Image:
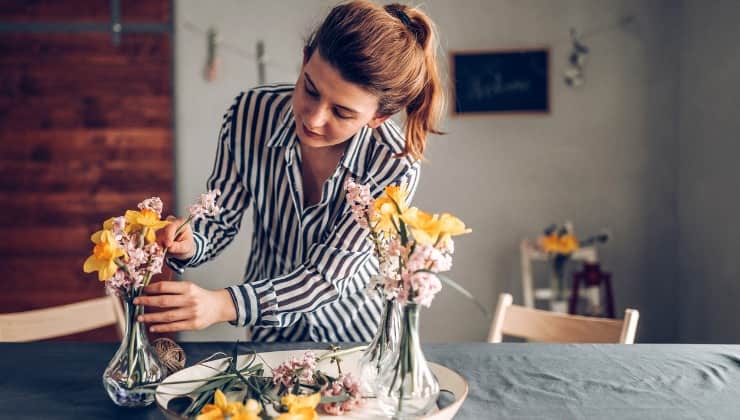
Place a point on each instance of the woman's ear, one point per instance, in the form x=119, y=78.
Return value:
x=376, y=121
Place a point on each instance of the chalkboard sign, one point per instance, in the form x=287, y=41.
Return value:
x=501, y=81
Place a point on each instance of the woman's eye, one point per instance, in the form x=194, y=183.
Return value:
x=342, y=116
x=312, y=93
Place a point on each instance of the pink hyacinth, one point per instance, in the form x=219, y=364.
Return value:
x=425, y=286
x=119, y=224
x=447, y=246
x=154, y=204
x=300, y=370
x=345, y=384
x=427, y=257
x=118, y=283
x=206, y=205
x=395, y=248
x=360, y=201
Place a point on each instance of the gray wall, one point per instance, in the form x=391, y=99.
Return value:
x=605, y=155
x=709, y=184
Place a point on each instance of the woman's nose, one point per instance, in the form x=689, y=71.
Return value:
x=315, y=117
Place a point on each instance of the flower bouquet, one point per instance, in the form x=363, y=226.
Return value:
x=559, y=243
x=413, y=248
x=126, y=257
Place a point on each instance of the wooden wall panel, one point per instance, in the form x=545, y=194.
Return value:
x=55, y=10
x=151, y=11
x=85, y=133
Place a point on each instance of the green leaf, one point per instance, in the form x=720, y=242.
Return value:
x=462, y=291
x=211, y=386
x=334, y=398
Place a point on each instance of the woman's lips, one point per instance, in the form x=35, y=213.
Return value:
x=309, y=132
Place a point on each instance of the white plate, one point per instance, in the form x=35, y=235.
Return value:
x=449, y=380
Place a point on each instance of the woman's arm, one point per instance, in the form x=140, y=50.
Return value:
x=213, y=233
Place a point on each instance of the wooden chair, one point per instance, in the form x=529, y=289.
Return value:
x=545, y=326
x=39, y=324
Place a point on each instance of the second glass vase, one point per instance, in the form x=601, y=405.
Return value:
x=406, y=387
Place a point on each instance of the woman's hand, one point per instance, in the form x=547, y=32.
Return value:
x=181, y=247
x=189, y=306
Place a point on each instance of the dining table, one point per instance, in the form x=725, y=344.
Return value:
x=62, y=380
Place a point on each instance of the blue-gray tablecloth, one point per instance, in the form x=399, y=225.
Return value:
x=508, y=381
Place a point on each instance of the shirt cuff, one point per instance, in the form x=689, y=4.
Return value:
x=179, y=265
x=245, y=303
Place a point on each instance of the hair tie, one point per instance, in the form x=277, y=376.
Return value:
x=400, y=14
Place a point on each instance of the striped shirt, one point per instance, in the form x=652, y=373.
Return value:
x=308, y=267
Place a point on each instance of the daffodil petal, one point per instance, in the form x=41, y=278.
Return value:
x=91, y=264
x=210, y=412
x=95, y=237
x=107, y=271
x=151, y=236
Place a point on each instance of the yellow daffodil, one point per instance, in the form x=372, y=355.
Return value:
x=388, y=208
x=568, y=244
x=103, y=259
x=386, y=216
x=450, y=225
x=399, y=194
x=221, y=409
x=300, y=407
x=424, y=226
x=147, y=220
x=429, y=229
x=554, y=244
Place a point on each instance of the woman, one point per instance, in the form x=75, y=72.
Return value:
x=289, y=150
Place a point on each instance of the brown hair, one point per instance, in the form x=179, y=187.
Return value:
x=391, y=51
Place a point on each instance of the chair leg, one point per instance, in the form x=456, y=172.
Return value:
x=609, y=296
x=574, y=294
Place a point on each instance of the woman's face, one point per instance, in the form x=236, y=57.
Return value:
x=328, y=109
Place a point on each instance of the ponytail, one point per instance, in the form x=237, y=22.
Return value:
x=424, y=112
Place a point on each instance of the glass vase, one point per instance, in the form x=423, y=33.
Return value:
x=134, y=364
x=558, y=265
x=381, y=347
x=406, y=387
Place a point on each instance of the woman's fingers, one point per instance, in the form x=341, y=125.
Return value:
x=180, y=248
x=170, y=316
x=168, y=287
x=179, y=245
x=173, y=327
x=164, y=301
x=166, y=235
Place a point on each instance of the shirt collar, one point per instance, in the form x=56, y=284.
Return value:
x=285, y=134
x=353, y=158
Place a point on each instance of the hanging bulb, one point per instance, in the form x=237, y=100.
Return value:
x=212, y=59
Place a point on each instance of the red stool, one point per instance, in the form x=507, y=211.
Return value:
x=592, y=276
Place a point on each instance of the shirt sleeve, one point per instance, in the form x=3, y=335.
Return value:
x=213, y=233
x=320, y=280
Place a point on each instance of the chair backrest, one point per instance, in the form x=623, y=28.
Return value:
x=39, y=324
x=545, y=326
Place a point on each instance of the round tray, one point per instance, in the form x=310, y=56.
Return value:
x=449, y=381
